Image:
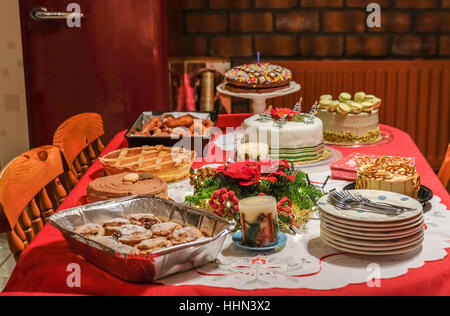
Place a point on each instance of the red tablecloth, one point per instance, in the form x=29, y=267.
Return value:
x=42, y=267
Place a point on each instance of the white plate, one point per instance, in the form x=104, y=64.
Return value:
x=380, y=228
x=371, y=249
x=372, y=235
x=399, y=243
x=361, y=215
x=372, y=253
x=370, y=225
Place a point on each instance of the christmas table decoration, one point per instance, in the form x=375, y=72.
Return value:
x=221, y=192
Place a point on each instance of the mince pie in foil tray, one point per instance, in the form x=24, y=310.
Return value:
x=143, y=239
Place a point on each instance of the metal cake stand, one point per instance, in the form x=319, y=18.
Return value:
x=260, y=99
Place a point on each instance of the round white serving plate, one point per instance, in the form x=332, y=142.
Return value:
x=373, y=235
x=380, y=228
x=338, y=246
x=360, y=215
x=374, y=249
x=406, y=241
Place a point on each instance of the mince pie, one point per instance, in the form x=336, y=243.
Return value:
x=90, y=230
x=138, y=234
x=146, y=220
x=164, y=229
x=151, y=245
x=186, y=235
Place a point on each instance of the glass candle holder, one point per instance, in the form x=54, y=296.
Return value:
x=259, y=220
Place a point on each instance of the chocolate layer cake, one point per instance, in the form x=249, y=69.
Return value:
x=126, y=184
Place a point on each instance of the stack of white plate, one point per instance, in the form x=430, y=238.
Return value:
x=362, y=232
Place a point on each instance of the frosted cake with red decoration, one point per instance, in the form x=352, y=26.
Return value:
x=290, y=134
x=257, y=78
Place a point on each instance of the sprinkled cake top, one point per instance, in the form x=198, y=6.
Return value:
x=259, y=74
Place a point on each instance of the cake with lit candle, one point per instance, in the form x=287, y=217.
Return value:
x=257, y=78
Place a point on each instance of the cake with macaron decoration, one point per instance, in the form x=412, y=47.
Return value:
x=350, y=120
x=257, y=78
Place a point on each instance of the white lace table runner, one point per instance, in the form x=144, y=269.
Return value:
x=306, y=262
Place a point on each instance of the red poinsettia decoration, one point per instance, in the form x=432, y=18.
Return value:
x=253, y=172
x=278, y=113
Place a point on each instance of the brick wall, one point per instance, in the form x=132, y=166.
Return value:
x=309, y=29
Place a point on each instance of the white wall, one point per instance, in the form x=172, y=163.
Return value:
x=13, y=110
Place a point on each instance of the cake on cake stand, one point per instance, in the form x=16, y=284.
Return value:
x=260, y=99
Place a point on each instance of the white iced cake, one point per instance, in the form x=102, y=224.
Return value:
x=295, y=140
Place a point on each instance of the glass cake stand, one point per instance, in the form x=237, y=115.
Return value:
x=386, y=138
x=323, y=165
x=260, y=99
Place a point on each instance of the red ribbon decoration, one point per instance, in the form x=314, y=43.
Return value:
x=286, y=211
x=252, y=171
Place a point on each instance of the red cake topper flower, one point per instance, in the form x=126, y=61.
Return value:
x=278, y=113
x=253, y=172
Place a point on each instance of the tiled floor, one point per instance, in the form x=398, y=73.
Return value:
x=7, y=262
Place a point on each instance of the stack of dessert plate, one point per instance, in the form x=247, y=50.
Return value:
x=358, y=231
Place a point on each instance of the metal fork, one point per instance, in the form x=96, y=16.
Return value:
x=358, y=196
x=349, y=196
x=348, y=205
x=345, y=198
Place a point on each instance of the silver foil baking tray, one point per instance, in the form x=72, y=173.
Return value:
x=160, y=264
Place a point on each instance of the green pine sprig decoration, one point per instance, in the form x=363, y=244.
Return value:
x=303, y=195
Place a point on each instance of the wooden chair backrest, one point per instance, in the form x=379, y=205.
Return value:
x=30, y=192
x=444, y=173
x=79, y=140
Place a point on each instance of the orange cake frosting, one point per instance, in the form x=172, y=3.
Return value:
x=392, y=174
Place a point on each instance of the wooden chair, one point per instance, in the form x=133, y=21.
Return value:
x=444, y=173
x=79, y=140
x=30, y=192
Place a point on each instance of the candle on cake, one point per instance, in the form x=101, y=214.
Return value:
x=259, y=220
